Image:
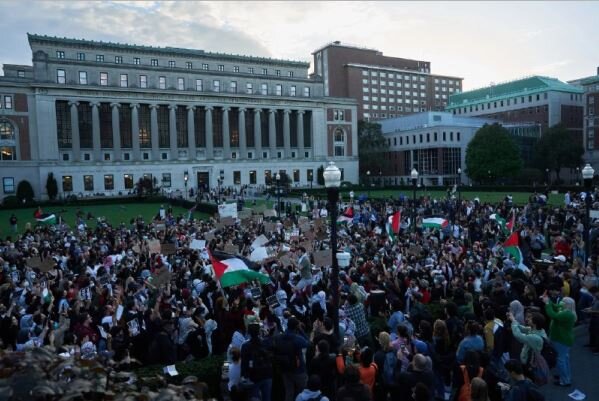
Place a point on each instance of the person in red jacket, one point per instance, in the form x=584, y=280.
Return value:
x=562, y=247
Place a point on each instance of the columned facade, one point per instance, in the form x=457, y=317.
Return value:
x=98, y=138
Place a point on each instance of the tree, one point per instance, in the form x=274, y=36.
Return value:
x=492, y=153
x=320, y=175
x=558, y=149
x=371, y=143
x=25, y=192
x=51, y=186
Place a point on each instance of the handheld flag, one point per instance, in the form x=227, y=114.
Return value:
x=512, y=247
x=234, y=271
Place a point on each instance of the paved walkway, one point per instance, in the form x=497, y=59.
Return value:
x=585, y=371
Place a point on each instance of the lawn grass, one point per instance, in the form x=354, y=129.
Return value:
x=114, y=214
x=519, y=198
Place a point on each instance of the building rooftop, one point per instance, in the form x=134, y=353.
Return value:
x=431, y=119
x=524, y=86
x=44, y=39
x=337, y=43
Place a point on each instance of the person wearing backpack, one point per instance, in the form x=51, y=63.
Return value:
x=532, y=337
x=256, y=365
x=561, y=333
x=324, y=366
x=520, y=389
x=390, y=366
x=469, y=369
x=289, y=358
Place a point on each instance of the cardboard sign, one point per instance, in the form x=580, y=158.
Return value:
x=259, y=254
x=34, y=262
x=323, y=258
x=227, y=210
x=154, y=246
x=232, y=249
x=168, y=249
x=227, y=221
x=272, y=301
x=258, y=219
x=198, y=244
x=256, y=292
x=85, y=294
x=295, y=233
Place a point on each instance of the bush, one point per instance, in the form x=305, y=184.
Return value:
x=207, y=370
x=25, y=192
x=51, y=186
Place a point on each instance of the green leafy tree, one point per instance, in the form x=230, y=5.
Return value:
x=25, y=192
x=491, y=154
x=371, y=143
x=557, y=149
x=51, y=186
x=320, y=175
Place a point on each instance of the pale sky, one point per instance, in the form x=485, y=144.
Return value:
x=482, y=42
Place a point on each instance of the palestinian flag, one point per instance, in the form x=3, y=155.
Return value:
x=512, y=248
x=231, y=270
x=500, y=221
x=393, y=225
x=434, y=222
x=49, y=219
x=347, y=216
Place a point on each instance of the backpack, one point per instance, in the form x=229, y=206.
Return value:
x=285, y=357
x=465, y=391
x=389, y=367
x=260, y=363
x=500, y=343
x=539, y=370
x=549, y=353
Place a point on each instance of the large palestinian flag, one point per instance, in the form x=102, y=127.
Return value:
x=231, y=270
x=435, y=222
x=393, y=225
x=512, y=247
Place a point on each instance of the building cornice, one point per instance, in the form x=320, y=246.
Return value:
x=383, y=68
x=166, y=95
x=164, y=51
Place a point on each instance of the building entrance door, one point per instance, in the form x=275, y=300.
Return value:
x=203, y=181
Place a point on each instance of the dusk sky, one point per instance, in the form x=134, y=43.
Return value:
x=482, y=42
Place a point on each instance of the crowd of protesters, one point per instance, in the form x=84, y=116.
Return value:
x=431, y=314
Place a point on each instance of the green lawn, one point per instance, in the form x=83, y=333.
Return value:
x=115, y=214
x=519, y=198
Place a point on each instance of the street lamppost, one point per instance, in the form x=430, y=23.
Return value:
x=414, y=176
x=368, y=182
x=332, y=181
x=351, y=197
x=459, y=193
x=587, y=175
x=278, y=189
x=185, y=178
x=547, y=176
x=310, y=177
x=577, y=176
x=381, y=178
x=489, y=173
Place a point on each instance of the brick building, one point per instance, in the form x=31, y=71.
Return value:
x=383, y=86
x=590, y=86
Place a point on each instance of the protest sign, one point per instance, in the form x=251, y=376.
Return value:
x=168, y=249
x=272, y=301
x=198, y=244
x=85, y=294
x=259, y=241
x=322, y=258
x=227, y=221
x=269, y=227
x=244, y=214
x=259, y=254
x=227, y=210
x=154, y=246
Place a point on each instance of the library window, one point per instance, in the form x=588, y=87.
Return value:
x=61, y=77
x=180, y=84
x=118, y=59
x=199, y=85
x=103, y=79
x=82, y=78
x=108, y=182
x=67, y=183
x=124, y=80
x=100, y=58
x=143, y=81
x=171, y=63
x=154, y=62
x=136, y=60
x=59, y=54
x=88, y=182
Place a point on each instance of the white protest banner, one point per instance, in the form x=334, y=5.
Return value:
x=259, y=254
x=227, y=210
x=258, y=242
x=198, y=244
x=85, y=294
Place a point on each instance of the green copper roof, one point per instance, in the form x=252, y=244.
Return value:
x=506, y=90
x=163, y=50
x=590, y=80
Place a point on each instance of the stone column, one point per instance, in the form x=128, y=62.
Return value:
x=116, y=131
x=191, y=133
x=226, y=134
x=154, y=132
x=257, y=133
x=300, y=133
x=242, y=138
x=135, y=131
x=172, y=132
x=97, y=146
x=272, y=133
x=209, y=134
x=75, y=140
x=286, y=133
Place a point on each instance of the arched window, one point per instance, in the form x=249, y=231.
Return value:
x=7, y=132
x=339, y=142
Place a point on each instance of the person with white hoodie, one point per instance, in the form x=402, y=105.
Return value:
x=312, y=391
